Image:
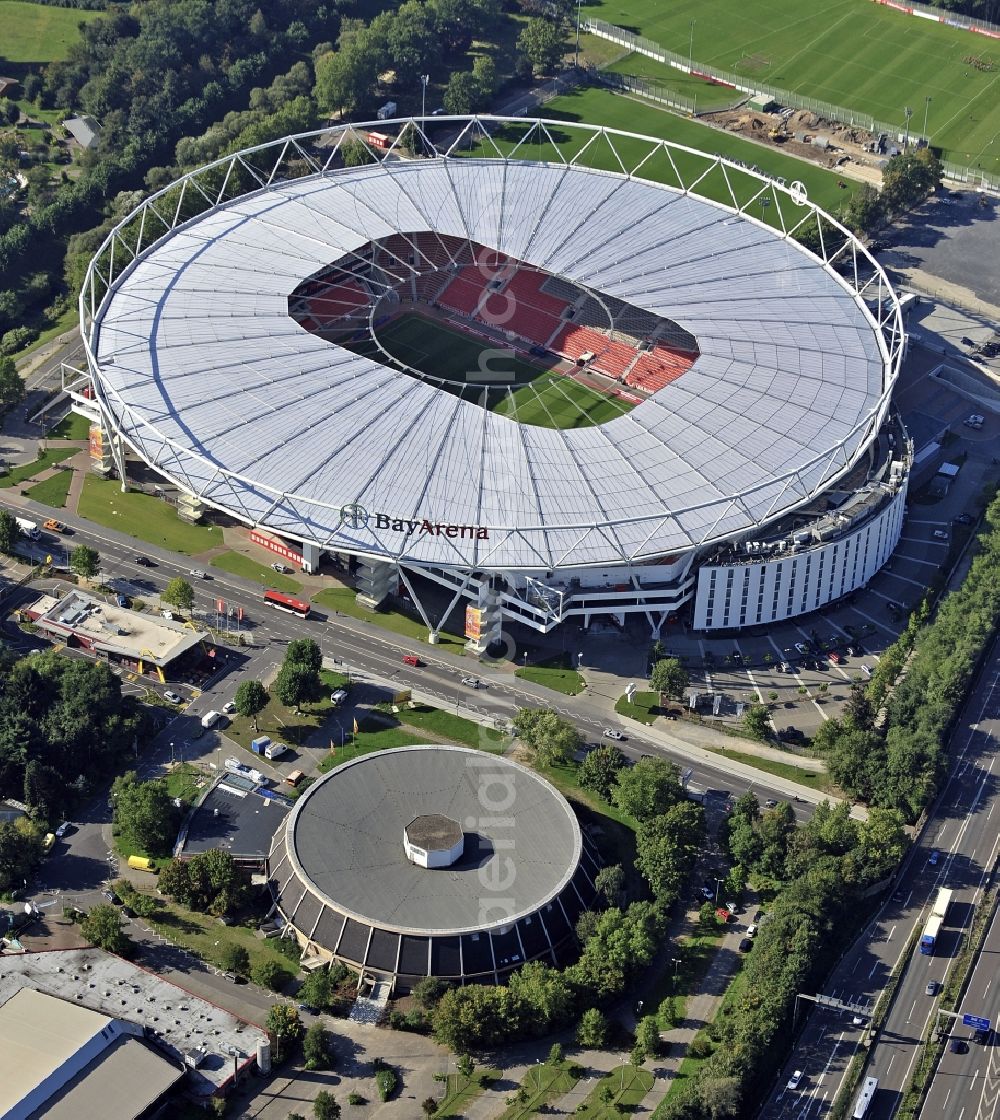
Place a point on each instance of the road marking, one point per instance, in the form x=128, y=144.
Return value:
x=891, y=932
x=874, y=967
x=912, y=1008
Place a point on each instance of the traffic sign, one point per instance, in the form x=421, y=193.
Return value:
x=976, y=1021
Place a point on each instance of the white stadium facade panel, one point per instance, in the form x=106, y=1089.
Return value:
x=200, y=368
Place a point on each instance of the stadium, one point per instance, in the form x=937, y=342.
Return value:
x=555, y=371
x=432, y=861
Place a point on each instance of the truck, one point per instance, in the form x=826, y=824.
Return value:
x=938, y=915
x=29, y=528
x=209, y=719
x=142, y=863
x=260, y=745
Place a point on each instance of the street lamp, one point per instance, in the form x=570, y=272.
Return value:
x=717, y=882
x=927, y=105
x=691, y=47
x=907, y=112
x=424, y=79
x=676, y=962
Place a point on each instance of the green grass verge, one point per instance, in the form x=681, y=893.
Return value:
x=263, y=574
x=856, y=54
x=47, y=459
x=186, y=782
x=620, y=1090
x=143, y=516
x=343, y=599
x=534, y=394
x=602, y=107
x=810, y=778
x=368, y=741
x=451, y=727
x=39, y=33
x=696, y=953
x=553, y=674
x=542, y=1083
x=71, y=426
x=643, y=707
x=52, y=491
x=706, y=97
x=461, y=1091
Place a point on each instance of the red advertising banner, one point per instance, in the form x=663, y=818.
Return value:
x=220, y=606
x=275, y=546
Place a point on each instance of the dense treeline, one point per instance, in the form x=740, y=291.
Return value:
x=63, y=724
x=901, y=766
x=820, y=871
x=617, y=943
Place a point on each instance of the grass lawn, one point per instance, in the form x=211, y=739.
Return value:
x=461, y=1091
x=143, y=516
x=207, y=938
x=542, y=1084
x=602, y=107
x=451, y=727
x=530, y=393
x=186, y=782
x=857, y=54
x=817, y=781
x=555, y=674
x=47, y=459
x=696, y=952
x=342, y=599
x=644, y=707
x=282, y=723
x=263, y=574
x=37, y=32
x=706, y=96
x=52, y=491
x=368, y=741
x=627, y=1085
x=71, y=426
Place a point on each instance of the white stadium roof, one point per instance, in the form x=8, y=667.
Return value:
x=209, y=378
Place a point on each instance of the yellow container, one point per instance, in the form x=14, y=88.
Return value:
x=142, y=863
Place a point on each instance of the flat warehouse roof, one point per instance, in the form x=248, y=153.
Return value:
x=207, y=375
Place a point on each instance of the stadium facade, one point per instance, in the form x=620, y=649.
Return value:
x=705, y=429
x=432, y=861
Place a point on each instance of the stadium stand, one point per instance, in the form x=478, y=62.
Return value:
x=657, y=368
x=610, y=358
x=337, y=302
x=524, y=308
x=465, y=290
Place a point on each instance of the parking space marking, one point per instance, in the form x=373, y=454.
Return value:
x=906, y=579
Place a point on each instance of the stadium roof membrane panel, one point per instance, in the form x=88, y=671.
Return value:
x=208, y=376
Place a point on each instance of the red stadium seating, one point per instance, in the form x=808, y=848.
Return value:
x=610, y=358
x=465, y=290
x=657, y=368
x=337, y=301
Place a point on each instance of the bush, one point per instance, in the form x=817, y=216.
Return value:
x=356, y=1098
x=700, y=1047
x=386, y=1082
x=268, y=974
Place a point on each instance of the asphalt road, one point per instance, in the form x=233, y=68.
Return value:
x=963, y=829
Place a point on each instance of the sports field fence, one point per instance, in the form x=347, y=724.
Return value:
x=941, y=15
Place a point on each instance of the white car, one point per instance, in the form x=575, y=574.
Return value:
x=471, y=682
x=228, y=708
x=752, y=930
x=795, y=1080
x=939, y=535
x=173, y=697
x=63, y=829
x=282, y=569
x=614, y=733
x=197, y=573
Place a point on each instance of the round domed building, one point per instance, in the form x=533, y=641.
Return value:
x=433, y=861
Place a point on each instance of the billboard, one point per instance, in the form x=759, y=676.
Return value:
x=96, y=442
x=473, y=622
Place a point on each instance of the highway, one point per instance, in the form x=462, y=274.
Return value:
x=963, y=830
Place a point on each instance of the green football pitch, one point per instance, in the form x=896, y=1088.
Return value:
x=854, y=53
x=36, y=33
x=530, y=394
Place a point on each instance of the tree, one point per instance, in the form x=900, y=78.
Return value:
x=144, y=813
x=20, y=853
x=344, y=79
x=484, y=70
x=600, y=768
x=647, y=1035
x=461, y=94
x=103, y=927
x=757, y=721
x=325, y=1107
x=297, y=684
x=355, y=153
x=268, y=974
x=410, y=41
x=593, y=1029
x=667, y=845
x=44, y=790
x=542, y=43
x=251, y=699
x=175, y=882
x=866, y=210
x=465, y=1065
x=647, y=789
x=234, y=958
x=304, y=651
x=179, y=593
x=317, y=990
x=638, y=1055
x=610, y=883
x=706, y=916
x=552, y=738
x=428, y=991
x=316, y=1047
x=428, y=1106
x=283, y=1022
x=85, y=561
x=10, y=533
x=11, y=385
x=907, y=179
x=555, y=1054
x=476, y=1017
x=669, y=678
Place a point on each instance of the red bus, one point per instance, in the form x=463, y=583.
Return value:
x=286, y=603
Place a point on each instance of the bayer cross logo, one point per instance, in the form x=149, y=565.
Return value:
x=354, y=516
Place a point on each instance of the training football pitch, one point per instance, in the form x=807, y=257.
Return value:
x=854, y=53
x=35, y=33
x=530, y=394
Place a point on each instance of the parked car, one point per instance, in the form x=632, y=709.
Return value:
x=964, y=519
x=122, y=601
x=752, y=929
x=228, y=708
x=746, y=944
x=614, y=733
x=858, y=1020
x=338, y=696
x=173, y=697
x=795, y=1080
x=282, y=569
x=834, y=657
x=63, y=829
x=939, y=535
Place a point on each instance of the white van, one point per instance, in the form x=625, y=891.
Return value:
x=274, y=750
x=210, y=719
x=338, y=697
